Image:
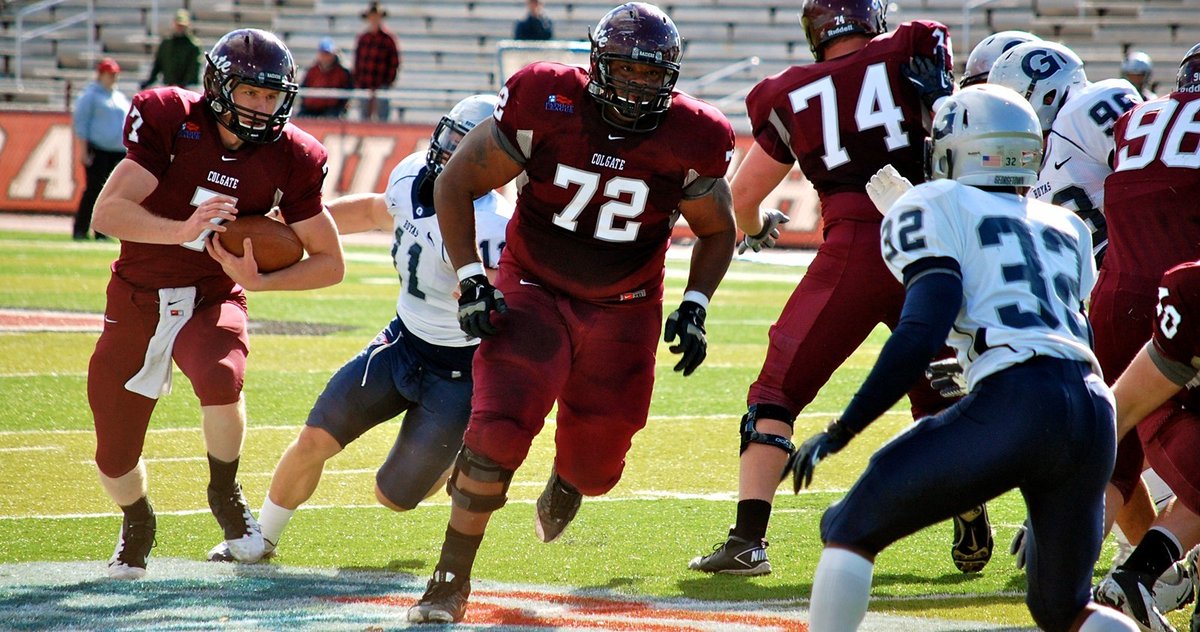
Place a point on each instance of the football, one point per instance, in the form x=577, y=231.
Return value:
x=276, y=246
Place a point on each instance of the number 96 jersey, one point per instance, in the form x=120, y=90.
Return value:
x=596, y=203
x=1024, y=266
x=426, y=303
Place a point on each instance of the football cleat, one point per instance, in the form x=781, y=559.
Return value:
x=556, y=508
x=1129, y=592
x=973, y=542
x=734, y=556
x=133, y=547
x=444, y=601
x=1176, y=587
x=221, y=552
x=243, y=536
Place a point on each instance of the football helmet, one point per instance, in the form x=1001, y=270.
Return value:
x=641, y=33
x=1189, y=70
x=986, y=135
x=824, y=20
x=461, y=118
x=258, y=58
x=1043, y=72
x=1137, y=63
x=985, y=53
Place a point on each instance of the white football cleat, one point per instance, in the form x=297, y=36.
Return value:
x=1176, y=587
x=222, y=553
x=134, y=542
x=243, y=536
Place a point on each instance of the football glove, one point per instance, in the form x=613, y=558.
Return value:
x=478, y=300
x=1021, y=543
x=805, y=459
x=930, y=76
x=946, y=377
x=765, y=238
x=886, y=186
x=687, y=323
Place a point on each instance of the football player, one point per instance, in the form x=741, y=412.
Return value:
x=1153, y=226
x=195, y=159
x=1004, y=276
x=610, y=155
x=1136, y=69
x=420, y=364
x=985, y=53
x=840, y=119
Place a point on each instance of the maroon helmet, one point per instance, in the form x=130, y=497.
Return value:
x=641, y=33
x=824, y=20
x=257, y=58
x=1189, y=70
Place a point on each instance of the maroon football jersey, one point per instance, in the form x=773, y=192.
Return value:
x=594, y=217
x=173, y=135
x=1177, y=325
x=1150, y=199
x=845, y=118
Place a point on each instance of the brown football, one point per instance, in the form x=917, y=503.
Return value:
x=276, y=245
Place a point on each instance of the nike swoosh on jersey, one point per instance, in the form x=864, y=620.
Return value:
x=228, y=159
x=109, y=320
x=611, y=137
x=1059, y=165
x=524, y=282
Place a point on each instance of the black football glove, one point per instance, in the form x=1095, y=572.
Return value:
x=930, y=76
x=478, y=300
x=765, y=238
x=806, y=457
x=946, y=377
x=687, y=322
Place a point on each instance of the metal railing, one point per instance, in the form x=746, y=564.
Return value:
x=87, y=15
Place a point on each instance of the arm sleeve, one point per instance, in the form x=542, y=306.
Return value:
x=931, y=304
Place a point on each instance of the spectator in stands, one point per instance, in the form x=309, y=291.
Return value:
x=99, y=122
x=536, y=26
x=1136, y=69
x=326, y=72
x=178, y=56
x=376, y=62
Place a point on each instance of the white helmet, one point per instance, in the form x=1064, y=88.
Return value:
x=461, y=118
x=1043, y=72
x=986, y=135
x=985, y=53
x=1137, y=63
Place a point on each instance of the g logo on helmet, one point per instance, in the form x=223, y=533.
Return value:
x=1041, y=64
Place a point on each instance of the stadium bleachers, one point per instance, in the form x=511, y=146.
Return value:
x=449, y=46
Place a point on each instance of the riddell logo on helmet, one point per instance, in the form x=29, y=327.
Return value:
x=840, y=30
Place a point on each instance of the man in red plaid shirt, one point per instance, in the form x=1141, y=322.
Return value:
x=376, y=62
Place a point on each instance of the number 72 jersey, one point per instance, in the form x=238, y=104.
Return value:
x=1025, y=266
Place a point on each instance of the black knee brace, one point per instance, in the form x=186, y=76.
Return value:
x=750, y=433
x=482, y=470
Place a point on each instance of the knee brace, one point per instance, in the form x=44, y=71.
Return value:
x=750, y=433
x=480, y=469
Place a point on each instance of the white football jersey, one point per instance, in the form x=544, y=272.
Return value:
x=1079, y=145
x=428, y=280
x=1025, y=266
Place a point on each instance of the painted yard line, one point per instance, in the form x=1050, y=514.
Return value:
x=637, y=496
x=295, y=427
x=34, y=448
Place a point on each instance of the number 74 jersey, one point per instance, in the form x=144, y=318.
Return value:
x=1025, y=266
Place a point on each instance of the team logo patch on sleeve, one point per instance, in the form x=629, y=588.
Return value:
x=560, y=103
x=189, y=130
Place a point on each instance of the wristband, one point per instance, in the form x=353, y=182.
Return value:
x=696, y=297
x=470, y=270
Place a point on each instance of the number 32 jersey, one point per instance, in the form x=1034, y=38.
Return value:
x=426, y=303
x=596, y=203
x=1024, y=264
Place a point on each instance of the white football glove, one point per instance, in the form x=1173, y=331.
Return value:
x=772, y=220
x=886, y=186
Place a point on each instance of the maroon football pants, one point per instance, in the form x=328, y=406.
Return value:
x=210, y=349
x=596, y=360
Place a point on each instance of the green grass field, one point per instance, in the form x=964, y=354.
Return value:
x=676, y=500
